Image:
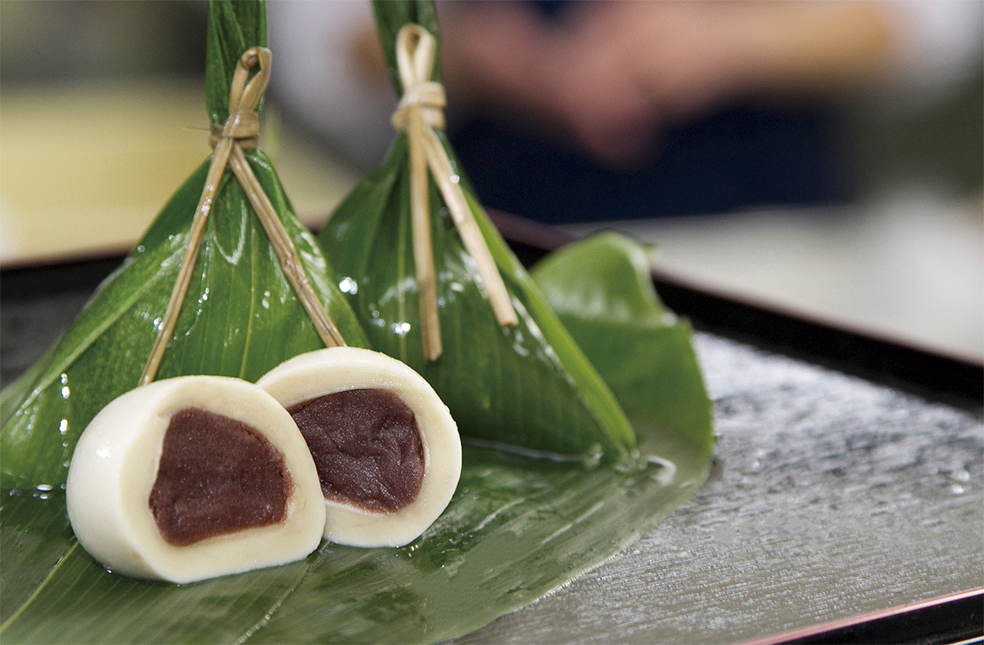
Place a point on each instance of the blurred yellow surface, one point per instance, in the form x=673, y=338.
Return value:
x=85, y=169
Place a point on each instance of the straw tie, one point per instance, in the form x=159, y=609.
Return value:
x=419, y=112
x=241, y=130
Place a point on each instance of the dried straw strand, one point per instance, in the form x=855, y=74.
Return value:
x=419, y=112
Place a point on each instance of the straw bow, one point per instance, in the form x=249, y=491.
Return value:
x=418, y=113
x=241, y=130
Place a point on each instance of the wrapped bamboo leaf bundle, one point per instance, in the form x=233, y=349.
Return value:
x=226, y=281
x=435, y=285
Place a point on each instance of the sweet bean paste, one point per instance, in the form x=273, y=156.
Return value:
x=216, y=476
x=366, y=446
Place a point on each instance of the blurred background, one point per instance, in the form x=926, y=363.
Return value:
x=102, y=117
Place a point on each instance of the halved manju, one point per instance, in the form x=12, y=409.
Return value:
x=386, y=448
x=194, y=477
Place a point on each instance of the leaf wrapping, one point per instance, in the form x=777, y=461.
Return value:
x=527, y=385
x=240, y=316
x=516, y=529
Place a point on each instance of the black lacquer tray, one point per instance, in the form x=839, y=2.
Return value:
x=846, y=503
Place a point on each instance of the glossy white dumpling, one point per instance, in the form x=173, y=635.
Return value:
x=339, y=370
x=115, y=467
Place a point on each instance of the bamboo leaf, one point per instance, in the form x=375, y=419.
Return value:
x=233, y=27
x=528, y=385
x=390, y=18
x=602, y=289
x=516, y=529
x=240, y=316
x=80, y=602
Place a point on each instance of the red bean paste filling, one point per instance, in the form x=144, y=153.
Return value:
x=216, y=476
x=366, y=446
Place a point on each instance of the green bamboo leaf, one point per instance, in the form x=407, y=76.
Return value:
x=602, y=289
x=390, y=18
x=528, y=385
x=80, y=602
x=234, y=27
x=240, y=317
x=33, y=539
x=516, y=528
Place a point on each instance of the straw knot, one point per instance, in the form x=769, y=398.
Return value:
x=419, y=113
x=242, y=127
x=243, y=124
x=244, y=130
x=429, y=98
x=415, y=52
x=240, y=130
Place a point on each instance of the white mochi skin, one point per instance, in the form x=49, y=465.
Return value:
x=115, y=465
x=318, y=373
